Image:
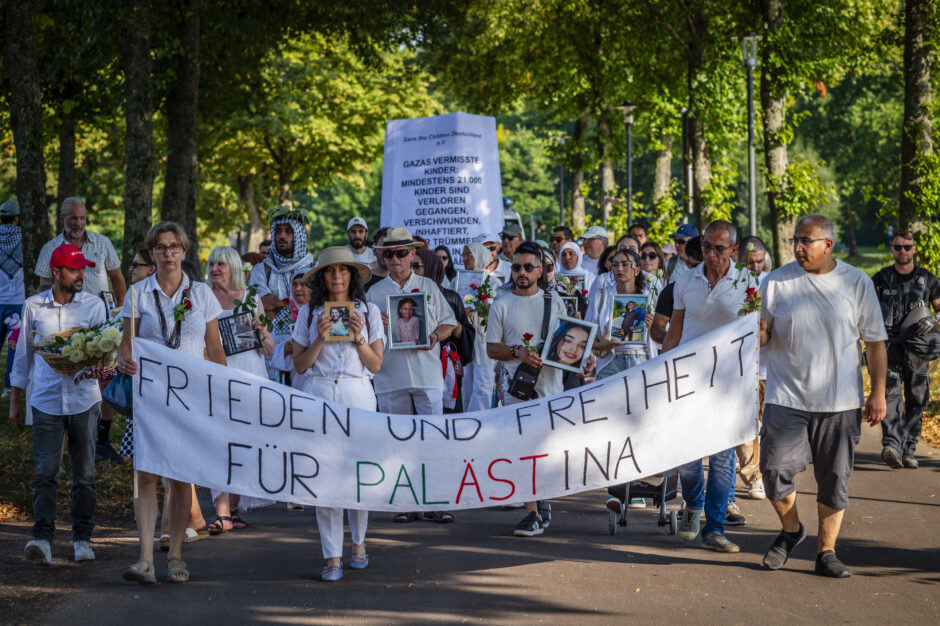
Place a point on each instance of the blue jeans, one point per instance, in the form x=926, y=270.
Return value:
x=48, y=432
x=622, y=361
x=715, y=496
x=6, y=310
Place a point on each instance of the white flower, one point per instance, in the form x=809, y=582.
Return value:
x=77, y=355
x=112, y=332
x=750, y=247
x=468, y=299
x=78, y=339
x=106, y=344
x=67, y=351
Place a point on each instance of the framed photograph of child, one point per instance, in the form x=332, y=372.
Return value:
x=408, y=321
x=465, y=278
x=569, y=342
x=338, y=313
x=237, y=334
x=628, y=318
x=578, y=280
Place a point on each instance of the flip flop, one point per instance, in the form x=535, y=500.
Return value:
x=404, y=518
x=441, y=517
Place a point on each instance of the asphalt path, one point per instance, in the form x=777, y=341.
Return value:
x=476, y=571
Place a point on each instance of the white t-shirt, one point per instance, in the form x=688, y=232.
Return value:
x=367, y=256
x=513, y=316
x=708, y=309
x=816, y=322
x=589, y=264
x=338, y=359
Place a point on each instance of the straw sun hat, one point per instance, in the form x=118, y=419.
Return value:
x=338, y=255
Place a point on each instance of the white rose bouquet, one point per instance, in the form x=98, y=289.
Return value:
x=72, y=350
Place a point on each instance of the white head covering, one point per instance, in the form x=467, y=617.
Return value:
x=481, y=255
x=560, y=267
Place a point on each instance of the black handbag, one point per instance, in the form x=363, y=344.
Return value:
x=523, y=381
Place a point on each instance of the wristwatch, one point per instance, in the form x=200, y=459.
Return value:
x=515, y=352
x=361, y=341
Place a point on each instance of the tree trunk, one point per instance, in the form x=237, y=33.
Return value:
x=916, y=142
x=577, y=175
x=606, y=171
x=138, y=117
x=66, y=159
x=182, y=163
x=773, y=106
x=850, y=231
x=246, y=196
x=701, y=161
x=662, y=173
x=26, y=123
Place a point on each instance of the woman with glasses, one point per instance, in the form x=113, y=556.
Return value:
x=615, y=356
x=142, y=266
x=450, y=272
x=157, y=300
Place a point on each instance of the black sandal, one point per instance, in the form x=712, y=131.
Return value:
x=404, y=518
x=237, y=522
x=217, y=527
x=441, y=517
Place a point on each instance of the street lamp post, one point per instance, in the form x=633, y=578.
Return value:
x=628, y=109
x=561, y=186
x=749, y=56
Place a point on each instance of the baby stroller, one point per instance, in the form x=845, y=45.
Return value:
x=665, y=491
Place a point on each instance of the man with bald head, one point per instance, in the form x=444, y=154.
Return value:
x=815, y=311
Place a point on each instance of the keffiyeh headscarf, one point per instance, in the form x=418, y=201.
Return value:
x=11, y=249
x=300, y=244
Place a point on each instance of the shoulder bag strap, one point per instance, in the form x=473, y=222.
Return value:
x=546, y=314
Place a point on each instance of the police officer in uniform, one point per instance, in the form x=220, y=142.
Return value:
x=901, y=288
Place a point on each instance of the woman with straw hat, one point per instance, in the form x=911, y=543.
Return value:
x=340, y=371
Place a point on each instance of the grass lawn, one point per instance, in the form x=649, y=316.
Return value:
x=870, y=259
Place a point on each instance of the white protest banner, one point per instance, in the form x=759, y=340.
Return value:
x=200, y=422
x=440, y=179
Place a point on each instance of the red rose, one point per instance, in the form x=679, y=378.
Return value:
x=473, y=286
x=286, y=300
x=415, y=291
x=584, y=292
x=750, y=291
x=527, y=337
x=484, y=297
x=188, y=305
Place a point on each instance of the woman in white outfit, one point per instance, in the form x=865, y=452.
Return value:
x=195, y=331
x=569, y=263
x=476, y=257
x=340, y=371
x=228, y=285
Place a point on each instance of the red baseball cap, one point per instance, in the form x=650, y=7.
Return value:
x=69, y=256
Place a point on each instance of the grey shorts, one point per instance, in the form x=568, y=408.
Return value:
x=791, y=439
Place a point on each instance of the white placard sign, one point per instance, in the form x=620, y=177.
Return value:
x=440, y=179
x=215, y=426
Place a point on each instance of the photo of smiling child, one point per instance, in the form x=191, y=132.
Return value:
x=407, y=321
x=569, y=344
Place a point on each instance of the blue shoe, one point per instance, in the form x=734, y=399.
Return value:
x=359, y=561
x=331, y=573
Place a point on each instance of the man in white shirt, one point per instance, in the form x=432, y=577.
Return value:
x=12, y=288
x=595, y=241
x=705, y=299
x=515, y=317
x=497, y=267
x=411, y=381
x=358, y=233
x=60, y=405
x=815, y=311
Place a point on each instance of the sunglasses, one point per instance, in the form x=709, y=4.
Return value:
x=417, y=266
x=680, y=241
x=401, y=254
x=528, y=267
x=492, y=248
x=648, y=255
x=558, y=239
x=907, y=247
x=550, y=267
x=141, y=265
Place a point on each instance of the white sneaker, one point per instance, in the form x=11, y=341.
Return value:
x=637, y=503
x=756, y=491
x=83, y=551
x=39, y=552
x=6, y=393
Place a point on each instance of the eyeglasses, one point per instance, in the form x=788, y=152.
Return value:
x=528, y=267
x=805, y=241
x=549, y=267
x=173, y=248
x=681, y=241
x=558, y=239
x=417, y=266
x=707, y=247
x=907, y=247
x=649, y=256
x=401, y=254
x=134, y=265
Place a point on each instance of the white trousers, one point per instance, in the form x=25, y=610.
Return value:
x=357, y=393
x=484, y=380
x=424, y=401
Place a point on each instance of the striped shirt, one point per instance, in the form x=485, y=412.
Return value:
x=97, y=248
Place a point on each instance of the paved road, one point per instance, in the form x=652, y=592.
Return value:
x=476, y=571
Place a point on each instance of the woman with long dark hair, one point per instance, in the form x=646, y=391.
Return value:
x=340, y=371
x=450, y=272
